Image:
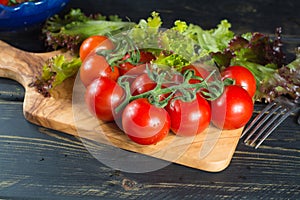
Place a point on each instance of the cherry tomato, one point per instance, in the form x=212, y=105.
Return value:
x=141, y=84
x=126, y=66
x=196, y=70
x=97, y=42
x=200, y=72
x=145, y=123
x=4, y=2
x=145, y=57
x=133, y=73
x=102, y=96
x=137, y=70
x=233, y=109
x=242, y=76
x=189, y=118
x=95, y=66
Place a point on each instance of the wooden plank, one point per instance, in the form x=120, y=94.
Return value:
x=36, y=162
x=11, y=90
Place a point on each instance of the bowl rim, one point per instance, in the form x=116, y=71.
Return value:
x=21, y=5
x=21, y=15
x=26, y=4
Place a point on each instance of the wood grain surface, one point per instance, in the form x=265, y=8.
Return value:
x=41, y=163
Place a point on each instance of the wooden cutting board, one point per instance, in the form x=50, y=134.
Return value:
x=210, y=151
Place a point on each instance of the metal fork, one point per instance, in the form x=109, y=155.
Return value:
x=269, y=119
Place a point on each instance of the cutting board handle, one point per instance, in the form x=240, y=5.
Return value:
x=20, y=65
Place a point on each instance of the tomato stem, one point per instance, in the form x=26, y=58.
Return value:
x=210, y=89
x=124, y=46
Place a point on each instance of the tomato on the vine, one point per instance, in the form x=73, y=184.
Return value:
x=242, y=77
x=95, y=42
x=143, y=83
x=233, y=109
x=196, y=71
x=126, y=66
x=135, y=72
x=201, y=72
x=145, y=57
x=189, y=118
x=102, y=96
x=145, y=123
x=4, y=2
x=95, y=66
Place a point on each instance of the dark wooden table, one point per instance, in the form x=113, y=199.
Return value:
x=36, y=162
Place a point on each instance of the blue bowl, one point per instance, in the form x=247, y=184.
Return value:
x=29, y=13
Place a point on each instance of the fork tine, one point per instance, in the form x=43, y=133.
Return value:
x=269, y=119
x=274, y=126
x=257, y=118
x=266, y=125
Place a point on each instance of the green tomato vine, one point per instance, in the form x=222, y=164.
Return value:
x=210, y=89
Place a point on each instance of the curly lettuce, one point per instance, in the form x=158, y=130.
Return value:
x=69, y=31
x=183, y=44
x=55, y=71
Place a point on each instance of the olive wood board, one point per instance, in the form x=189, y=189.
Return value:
x=210, y=151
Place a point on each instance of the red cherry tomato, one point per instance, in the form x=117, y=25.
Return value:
x=189, y=118
x=233, y=109
x=196, y=71
x=102, y=96
x=95, y=66
x=145, y=57
x=126, y=66
x=95, y=42
x=4, y=2
x=137, y=70
x=145, y=123
x=242, y=76
x=142, y=84
x=133, y=73
x=200, y=72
